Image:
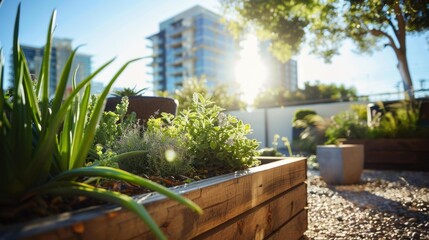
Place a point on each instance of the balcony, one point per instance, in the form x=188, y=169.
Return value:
x=178, y=60
x=157, y=52
x=176, y=42
x=179, y=30
x=157, y=43
x=156, y=62
x=177, y=71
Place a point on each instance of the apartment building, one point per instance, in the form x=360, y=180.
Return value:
x=279, y=74
x=60, y=52
x=193, y=43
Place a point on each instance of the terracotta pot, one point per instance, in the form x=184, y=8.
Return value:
x=145, y=107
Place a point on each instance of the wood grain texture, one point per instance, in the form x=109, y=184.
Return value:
x=292, y=230
x=263, y=220
x=223, y=198
x=401, y=154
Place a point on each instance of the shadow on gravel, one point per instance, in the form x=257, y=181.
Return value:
x=367, y=200
x=416, y=179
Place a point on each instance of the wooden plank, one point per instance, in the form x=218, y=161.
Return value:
x=412, y=144
x=402, y=166
x=292, y=230
x=394, y=156
x=406, y=154
x=262, y=221
x=222, y=202
x=222, y=199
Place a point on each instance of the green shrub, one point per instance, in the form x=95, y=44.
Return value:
x=216, y=140
x=360, y=110
x=346, y=125
x=274, y=152
x=201, y=136
x=166, y=151
x=400, y=120
x=301, y=114
x=112, y=124
x=313, y=133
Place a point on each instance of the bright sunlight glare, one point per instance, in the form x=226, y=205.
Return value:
x=250, y=72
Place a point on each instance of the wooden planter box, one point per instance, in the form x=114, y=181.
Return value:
x=402, y=154
x=265, y=202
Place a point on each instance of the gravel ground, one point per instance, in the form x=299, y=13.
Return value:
x=384, y=205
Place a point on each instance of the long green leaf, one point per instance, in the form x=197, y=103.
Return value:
x=79, y=127
x=20, y=135
x=2, y=100
x=31, y=95
x=118, y=174
x=65, y=141
x=94, y=119
x=62, y=84
x=16, y=50
x=75, y=188
x=43, y=84
x=43, y=152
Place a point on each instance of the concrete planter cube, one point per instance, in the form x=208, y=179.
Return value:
x=342, y=164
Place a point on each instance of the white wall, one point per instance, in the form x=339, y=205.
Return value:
x=279, y=120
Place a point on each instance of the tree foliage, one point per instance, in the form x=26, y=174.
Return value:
x=218, y=94
x=323, y=24
x=311, y=92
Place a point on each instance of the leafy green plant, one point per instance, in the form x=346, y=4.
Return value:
x=128, y=92
x=300, y=115
x=346, y=125
x=113, y=124
x=311, y=130
x=274, y=152
x=214, y=140
x=44, y=143
x=399, y=120
x=166, y=150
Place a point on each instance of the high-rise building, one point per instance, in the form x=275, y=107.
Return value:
x=279, y=74
x=60, y=52
x=193, y=43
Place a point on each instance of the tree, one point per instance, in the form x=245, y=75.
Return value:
x=280, y=96
x=324, y=23
x=218, y=94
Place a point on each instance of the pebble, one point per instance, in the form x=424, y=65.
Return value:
x=382, y=206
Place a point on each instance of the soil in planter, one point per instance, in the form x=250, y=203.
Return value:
x=45, y=206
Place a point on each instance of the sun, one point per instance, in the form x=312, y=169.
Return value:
x=250, y=72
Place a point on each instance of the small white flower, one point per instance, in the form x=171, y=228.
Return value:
x=222, y=119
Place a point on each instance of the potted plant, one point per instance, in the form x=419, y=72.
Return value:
x=259, y=202
x=143, y=106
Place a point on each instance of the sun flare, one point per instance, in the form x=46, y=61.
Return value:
x=250, y=72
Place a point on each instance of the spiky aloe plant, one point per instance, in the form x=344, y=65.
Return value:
x=44, y=143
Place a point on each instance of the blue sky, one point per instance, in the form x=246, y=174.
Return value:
x=119, y=29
